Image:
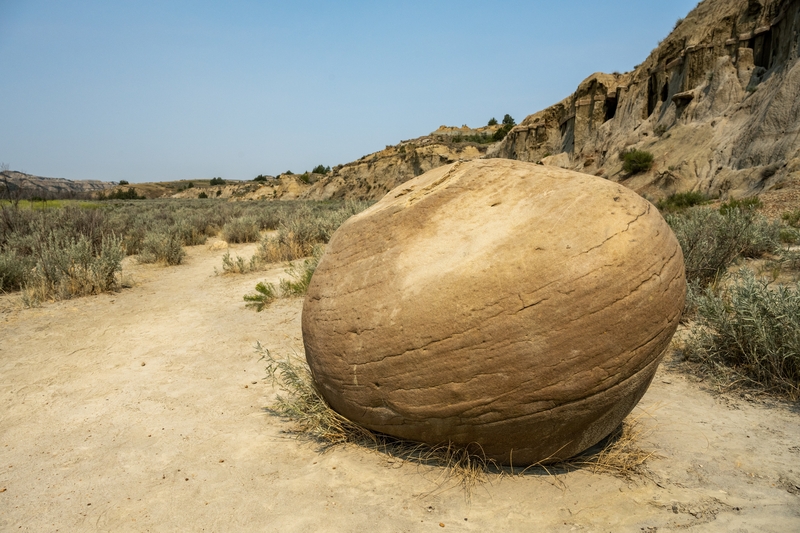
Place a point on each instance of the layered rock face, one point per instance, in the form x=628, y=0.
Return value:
x=495, y=303
x=47, y=187
x=717, y=103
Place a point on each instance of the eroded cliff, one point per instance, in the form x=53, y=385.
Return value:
x=717, y=103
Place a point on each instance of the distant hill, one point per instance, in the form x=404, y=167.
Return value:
x=20, y=185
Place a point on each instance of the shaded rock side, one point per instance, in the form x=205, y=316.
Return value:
x=717, y=103
x=498, y=303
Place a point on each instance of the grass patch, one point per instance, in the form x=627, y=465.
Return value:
x=748, y=333
x=300, y=402
x=792, y=218
x=238, y=265
x=743, y=204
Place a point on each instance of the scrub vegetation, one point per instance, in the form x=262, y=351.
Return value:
x=63, y=249
x=743, y=328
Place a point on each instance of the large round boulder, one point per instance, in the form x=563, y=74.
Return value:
x=495, y=303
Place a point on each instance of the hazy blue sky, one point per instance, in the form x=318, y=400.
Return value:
x=164, y=90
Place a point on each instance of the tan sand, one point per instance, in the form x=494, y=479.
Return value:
x=143, y=411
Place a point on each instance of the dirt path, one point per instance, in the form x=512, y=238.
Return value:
x=142, y=411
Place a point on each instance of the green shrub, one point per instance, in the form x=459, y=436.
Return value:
x=119, y=194
x=321, y=169
x=751, y=329
x=265, y=295
x=492, y=122
x=242, y=229
x=508, y=123
x=123, y=182
x=202, y=195
x=217, y=181
x=681, y=201
x=636, y=161
x=260, y=177
x=711, y=241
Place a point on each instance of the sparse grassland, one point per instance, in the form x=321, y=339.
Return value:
x=742, y=329
x=57, y=249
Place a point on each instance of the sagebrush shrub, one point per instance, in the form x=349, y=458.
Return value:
x=711, y=241
x=66, y=267
x=242, y=229
x=752, y=328
x=162, y=248
x=13, y=269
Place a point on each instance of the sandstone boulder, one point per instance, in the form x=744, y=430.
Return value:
x=514, y=306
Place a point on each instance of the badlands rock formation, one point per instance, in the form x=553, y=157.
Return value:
x=717, y=103
x=519, y=307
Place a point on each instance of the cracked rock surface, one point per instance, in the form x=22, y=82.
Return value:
x=517, y=307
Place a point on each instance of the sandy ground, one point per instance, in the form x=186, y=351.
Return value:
x=143, y=411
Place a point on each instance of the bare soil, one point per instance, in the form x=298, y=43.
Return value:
x=143, y=410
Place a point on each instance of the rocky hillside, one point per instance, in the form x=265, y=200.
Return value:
x=20, y=185
x=717, y=103
x=375, y=174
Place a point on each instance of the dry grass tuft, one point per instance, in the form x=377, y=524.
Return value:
x=619, y=454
